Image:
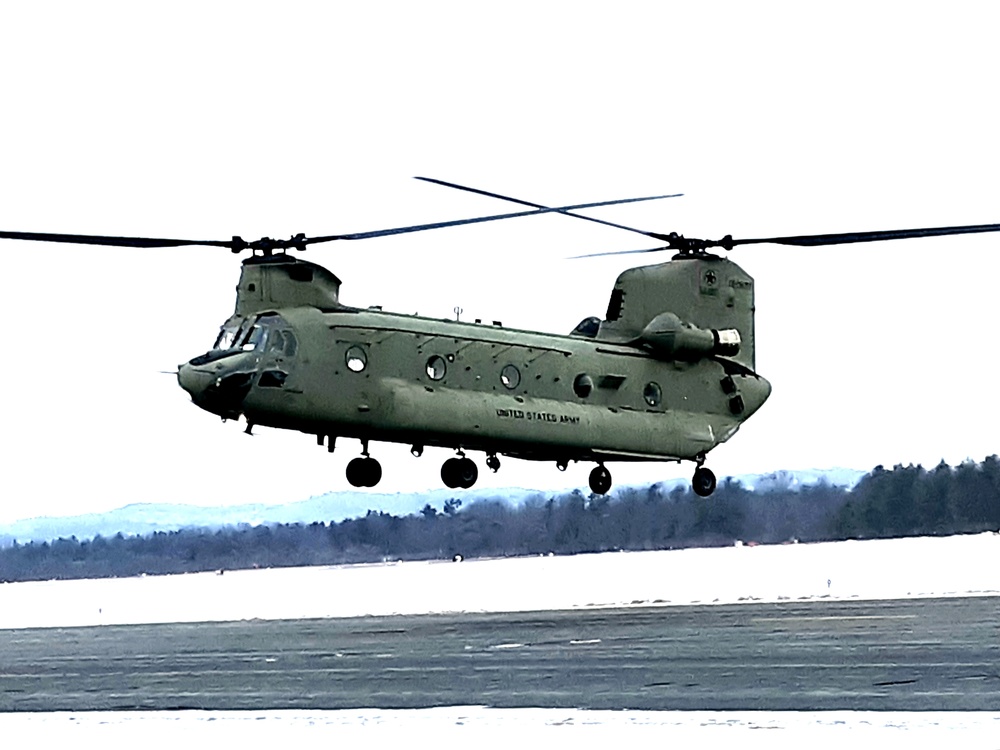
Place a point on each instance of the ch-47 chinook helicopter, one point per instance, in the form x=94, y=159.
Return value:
x=667, y=375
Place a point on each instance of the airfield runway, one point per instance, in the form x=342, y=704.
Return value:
x=904, y=655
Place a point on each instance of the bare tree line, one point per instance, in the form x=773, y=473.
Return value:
x=898, y=502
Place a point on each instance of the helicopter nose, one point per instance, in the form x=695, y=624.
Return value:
x=219, y=393
x=192, y=379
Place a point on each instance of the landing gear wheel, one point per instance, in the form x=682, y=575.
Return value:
x=703, y=482
x=600, y=480
x=493, y=463
x=459, y=472
x=364, y=471
x=449, y=472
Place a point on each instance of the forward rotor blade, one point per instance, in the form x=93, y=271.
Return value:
x=567, y=210
x=87, y=239
x=237, y=244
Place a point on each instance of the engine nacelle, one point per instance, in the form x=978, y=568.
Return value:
x=673, y=338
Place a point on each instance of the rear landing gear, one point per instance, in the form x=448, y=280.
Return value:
x=703, y=482
x=459, y=472
x=600, y=480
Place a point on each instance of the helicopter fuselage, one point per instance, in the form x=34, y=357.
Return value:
x=335, y=371
x=430, y=382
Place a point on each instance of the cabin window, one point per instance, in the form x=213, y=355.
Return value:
x=356, y=359
x=611, y=382
x=436, y=367
x=510, y=376
x=583, y=385
x=652, y=394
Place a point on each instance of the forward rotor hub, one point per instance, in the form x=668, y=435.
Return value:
x=267, y=246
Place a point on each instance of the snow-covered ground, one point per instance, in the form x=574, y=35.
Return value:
x=878, y=569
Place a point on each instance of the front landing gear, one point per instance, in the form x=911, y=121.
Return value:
x=600, y=480
x=363, y=471
x=703, y=482
x=460, y=472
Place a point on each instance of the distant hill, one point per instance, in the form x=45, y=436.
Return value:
x=146, y=518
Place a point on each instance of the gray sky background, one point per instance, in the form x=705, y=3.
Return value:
x=204, y=120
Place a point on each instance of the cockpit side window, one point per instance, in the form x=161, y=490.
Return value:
x=275, y=342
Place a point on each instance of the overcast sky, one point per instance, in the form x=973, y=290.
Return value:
x=204, y=120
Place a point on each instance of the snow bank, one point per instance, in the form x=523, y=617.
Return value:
x=483, y=728
x=877, y=569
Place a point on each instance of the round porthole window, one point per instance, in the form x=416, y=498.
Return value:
x=356, y=359
x=510, y=376
x=652, y=394
x=583, y=385
x=436, y=367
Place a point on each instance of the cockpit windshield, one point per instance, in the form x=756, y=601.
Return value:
x=254, y=338
x=228, y=334
x=268, y=332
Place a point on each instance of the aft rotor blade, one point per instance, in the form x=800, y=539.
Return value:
x=687, y=245
x=567, y=210
x=620, y=252
x=478, y=220
x=815, y=240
